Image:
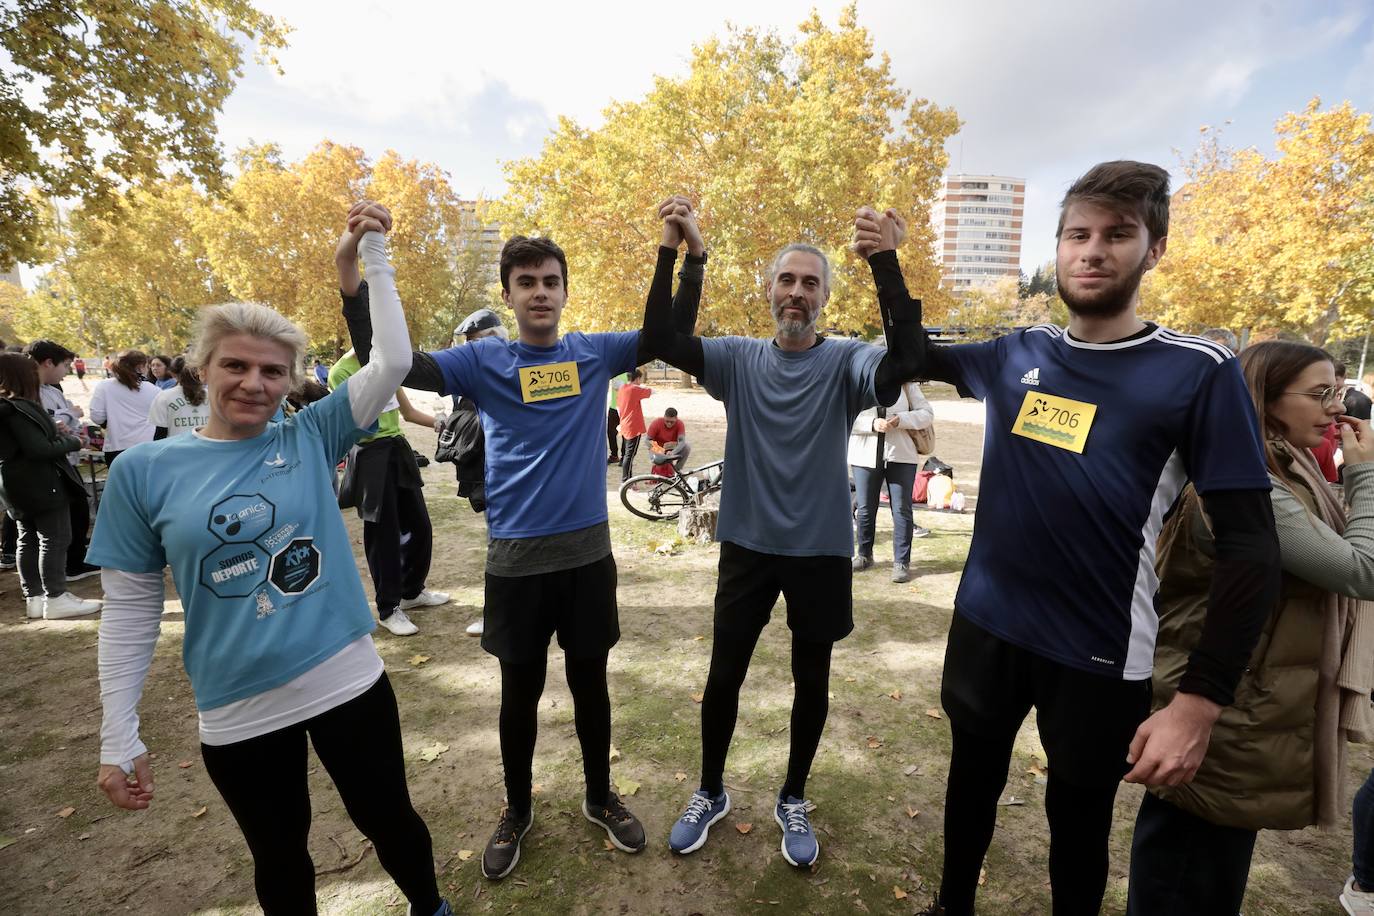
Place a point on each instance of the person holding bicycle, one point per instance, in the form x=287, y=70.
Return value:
x=668, y=443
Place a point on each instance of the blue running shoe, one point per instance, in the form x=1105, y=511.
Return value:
x=799, y=844
x=689, y=833
x=444, y=909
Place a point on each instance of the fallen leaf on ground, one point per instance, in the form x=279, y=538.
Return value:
x=698, y=697
x=850, y=680
x=698, y=638
x=66, y=812
x=186, y=764
x=1035, y=768
x=610, y=847
x=934, y=713
x=874, y=742
x=909, y=770
x=464, y=855
x=627, y=786
x=7, y=841
x=982, y=876
x=536, y=788
x=615, y=752
x=203, y=809
x=898, y=893
x=896, y=694
x=1010, y=801
x=911, y=812
x=417, y=661
x=744, y=828
x=84, y=836
x=680, y=777
x=431, y=753
x=832, y=694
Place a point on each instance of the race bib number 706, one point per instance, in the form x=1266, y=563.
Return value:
x=1056, y=421
x=549, y=382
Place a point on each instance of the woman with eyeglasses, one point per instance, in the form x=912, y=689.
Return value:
x=1275, y=760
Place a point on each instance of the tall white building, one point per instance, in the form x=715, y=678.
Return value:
x=977, y=221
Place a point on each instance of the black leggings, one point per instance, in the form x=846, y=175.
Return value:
x=1080, y=820
x=522, y=684
x=263, y=781
x=730, y=656
x=398, y=547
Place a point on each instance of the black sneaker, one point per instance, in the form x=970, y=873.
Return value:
x=8, y=561
x=624, y=829
x=933, y=910
x=82, y=570
x=503, y=849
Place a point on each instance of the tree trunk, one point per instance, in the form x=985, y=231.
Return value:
x=698, y=523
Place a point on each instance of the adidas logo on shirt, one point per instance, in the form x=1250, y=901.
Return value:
x=1032, y=377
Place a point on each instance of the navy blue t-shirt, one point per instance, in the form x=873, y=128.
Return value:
x=1063, y=555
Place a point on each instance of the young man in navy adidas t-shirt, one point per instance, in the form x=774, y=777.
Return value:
x=1092, y=431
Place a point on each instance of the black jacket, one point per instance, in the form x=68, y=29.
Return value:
x=34, y=474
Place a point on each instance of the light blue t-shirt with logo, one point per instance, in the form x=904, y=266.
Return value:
x=257, y=546
x=546, y=458
x=786, y=484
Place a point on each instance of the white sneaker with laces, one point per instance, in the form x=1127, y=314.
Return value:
x=68, y=605
x=1356, y=903
x=399, y=624
x=33, y=607
x=474, y=629
x=426, y=598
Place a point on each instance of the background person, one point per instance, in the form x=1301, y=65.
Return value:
x=36, y=485
x=614, y=443
x=630, y=405
x=1275, y=759
x=53, y=361
x=121, y=403
x=668, y=442
x=160, y=372
x=181, y=409
x=880, y=450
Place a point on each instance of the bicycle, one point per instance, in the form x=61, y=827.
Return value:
x=661, y=499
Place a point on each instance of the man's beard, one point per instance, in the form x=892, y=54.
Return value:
x=794, y=328
x=1107, y=302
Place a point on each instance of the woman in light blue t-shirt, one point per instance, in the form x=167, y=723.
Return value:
x=278, y=642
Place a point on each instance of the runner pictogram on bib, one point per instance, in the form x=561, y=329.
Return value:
x=548, y=382
x=1061, y=422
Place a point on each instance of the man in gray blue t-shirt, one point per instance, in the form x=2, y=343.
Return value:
x=785, y=524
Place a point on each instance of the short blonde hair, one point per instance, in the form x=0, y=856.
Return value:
x=217, y=322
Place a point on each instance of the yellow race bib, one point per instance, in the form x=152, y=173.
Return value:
x=1055, y=421
x=548, y=382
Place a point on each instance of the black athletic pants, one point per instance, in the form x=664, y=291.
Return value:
x=399, y=546
x=81, y=529
x=629, y=448
x=1086, y=724
x=522, y=684
x=613, y=433
x=263, y=781
x=1182, y=865
x=9, y=536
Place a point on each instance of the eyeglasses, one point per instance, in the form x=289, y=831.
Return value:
x=1327, y=396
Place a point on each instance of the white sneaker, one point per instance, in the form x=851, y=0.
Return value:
x=33, y=607
x=68, y=605
x=426, y=598
x=399, y=624
x=474, y=629
x=1357, y=903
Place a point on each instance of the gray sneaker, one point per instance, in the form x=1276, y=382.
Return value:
x=900, y=573
x=624, y=829
x=503, y=849
x=861, y=562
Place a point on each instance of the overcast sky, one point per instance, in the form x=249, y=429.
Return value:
x=1044, y=89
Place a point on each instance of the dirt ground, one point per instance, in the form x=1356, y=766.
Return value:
x=878, y=781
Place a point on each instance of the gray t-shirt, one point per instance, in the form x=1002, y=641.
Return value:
x=786, y=486
x=546, y=553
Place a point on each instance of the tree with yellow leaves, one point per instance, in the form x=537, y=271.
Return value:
x=1275, y=243
x=777, y=142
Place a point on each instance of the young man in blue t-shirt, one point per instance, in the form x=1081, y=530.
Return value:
x=549, y=564
x=1091, y=433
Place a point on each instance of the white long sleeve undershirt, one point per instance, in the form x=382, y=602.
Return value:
x=132, y=617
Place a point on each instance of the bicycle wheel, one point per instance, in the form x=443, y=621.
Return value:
x=659, y=499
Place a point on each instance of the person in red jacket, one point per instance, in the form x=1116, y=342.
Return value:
x=629, y=402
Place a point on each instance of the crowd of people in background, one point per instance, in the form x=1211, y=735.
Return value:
x=1215, y=642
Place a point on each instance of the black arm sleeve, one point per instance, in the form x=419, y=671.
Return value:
x=910, y=352
x=1246, y=579
x=159, y=432
x=424, y=374
x=662, y=336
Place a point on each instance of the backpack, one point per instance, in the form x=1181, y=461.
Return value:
x=463, y=444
